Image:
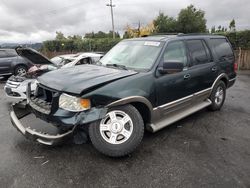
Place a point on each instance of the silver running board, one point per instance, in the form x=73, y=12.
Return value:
x=177, y=116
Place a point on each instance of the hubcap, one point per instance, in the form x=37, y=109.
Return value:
x=116, y=127
x=219, y=95
x=21, y=71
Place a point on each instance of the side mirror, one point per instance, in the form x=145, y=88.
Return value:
x=171, y=67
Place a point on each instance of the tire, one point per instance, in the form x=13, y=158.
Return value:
x=218, y=96
x=107, y=135
x=20, y=70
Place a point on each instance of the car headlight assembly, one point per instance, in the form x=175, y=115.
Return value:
x=73, y=104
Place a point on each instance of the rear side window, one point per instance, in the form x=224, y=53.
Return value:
x=198, y=51
x=2, y=54
x=222, y=48
x=11, y=53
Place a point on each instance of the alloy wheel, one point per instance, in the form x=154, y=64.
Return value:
x=116, y=127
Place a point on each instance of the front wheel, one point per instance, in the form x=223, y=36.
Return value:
x=119, y=132
x=218, y=96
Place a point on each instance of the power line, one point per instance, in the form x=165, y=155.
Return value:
x=112, y=16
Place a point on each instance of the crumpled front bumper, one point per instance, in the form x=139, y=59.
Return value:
x=20, y=110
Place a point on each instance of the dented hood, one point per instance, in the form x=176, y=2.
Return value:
x=82, y=77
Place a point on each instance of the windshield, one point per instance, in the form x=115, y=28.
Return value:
x=133, y=54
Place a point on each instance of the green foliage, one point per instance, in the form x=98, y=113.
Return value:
x=165, y=24
x=101, y=34
x=79, y=45
x=191, y=20
x=60, y=35
x=238, y=39
x=213, y=29
x=232, y=26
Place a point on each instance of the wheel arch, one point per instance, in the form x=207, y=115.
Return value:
x=222, y=77
x=20, y=64
x=142, y=104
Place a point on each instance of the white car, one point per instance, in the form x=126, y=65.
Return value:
x=16, y=85
x=84, y=58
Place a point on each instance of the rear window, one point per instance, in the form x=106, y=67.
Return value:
x=222, y=48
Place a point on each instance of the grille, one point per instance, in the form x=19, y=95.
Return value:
x=44, y=94
x=43, y=100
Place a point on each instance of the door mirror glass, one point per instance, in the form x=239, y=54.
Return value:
x=171, y=67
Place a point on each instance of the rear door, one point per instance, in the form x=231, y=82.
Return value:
x=5, y=62
x=203, y=70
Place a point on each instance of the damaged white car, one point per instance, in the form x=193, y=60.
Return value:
x=16, y=85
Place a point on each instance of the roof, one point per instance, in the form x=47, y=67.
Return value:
x=165, y=37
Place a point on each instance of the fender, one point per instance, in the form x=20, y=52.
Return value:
x=131, y=99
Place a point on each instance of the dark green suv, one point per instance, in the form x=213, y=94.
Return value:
x=145, y=83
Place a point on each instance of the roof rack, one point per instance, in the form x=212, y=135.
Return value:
x=155, y=34
x=191, y=34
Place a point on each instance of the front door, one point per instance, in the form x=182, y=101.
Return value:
x=174, y=86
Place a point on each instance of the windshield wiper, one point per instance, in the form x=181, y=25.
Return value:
x=117, y=65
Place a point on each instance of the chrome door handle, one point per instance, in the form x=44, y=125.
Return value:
x=186, y=76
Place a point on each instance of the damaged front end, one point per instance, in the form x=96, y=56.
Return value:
x=44, y=105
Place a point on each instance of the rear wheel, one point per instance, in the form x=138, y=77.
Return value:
x=20, y=70
x=218, y=96
x=119, y=132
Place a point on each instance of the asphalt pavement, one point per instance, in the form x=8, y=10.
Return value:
x=206, y=149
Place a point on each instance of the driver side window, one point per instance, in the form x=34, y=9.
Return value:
x=175, y=52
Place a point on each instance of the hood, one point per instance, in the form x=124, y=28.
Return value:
x=33, y=56
x=79, y=78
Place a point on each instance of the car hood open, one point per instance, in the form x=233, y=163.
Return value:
x=33, y=56
x=77, y=79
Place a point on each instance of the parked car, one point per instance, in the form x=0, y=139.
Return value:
x=62, y=60
x=145, y=83
x=12, y=64
x=16, y=85
x=85, y=58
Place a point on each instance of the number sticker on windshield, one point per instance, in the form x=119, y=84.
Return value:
x=152, y=43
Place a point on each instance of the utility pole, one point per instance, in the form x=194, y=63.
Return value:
x=112, y=16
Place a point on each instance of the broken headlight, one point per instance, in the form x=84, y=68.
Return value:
x=74, y=104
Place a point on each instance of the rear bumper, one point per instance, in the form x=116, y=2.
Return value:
x=231, y=82
x=20, y=110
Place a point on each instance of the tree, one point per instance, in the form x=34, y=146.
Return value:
x=191, y=20
x=213, y=29
x=139, y=31
x=165, y=24
x=232, y=27
x=75, y=37
x=101, y=34
x=60, y=35
x=219, y=29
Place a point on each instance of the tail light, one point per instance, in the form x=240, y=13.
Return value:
x=235, y=66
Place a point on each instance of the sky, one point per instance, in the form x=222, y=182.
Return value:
x=31, y=21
